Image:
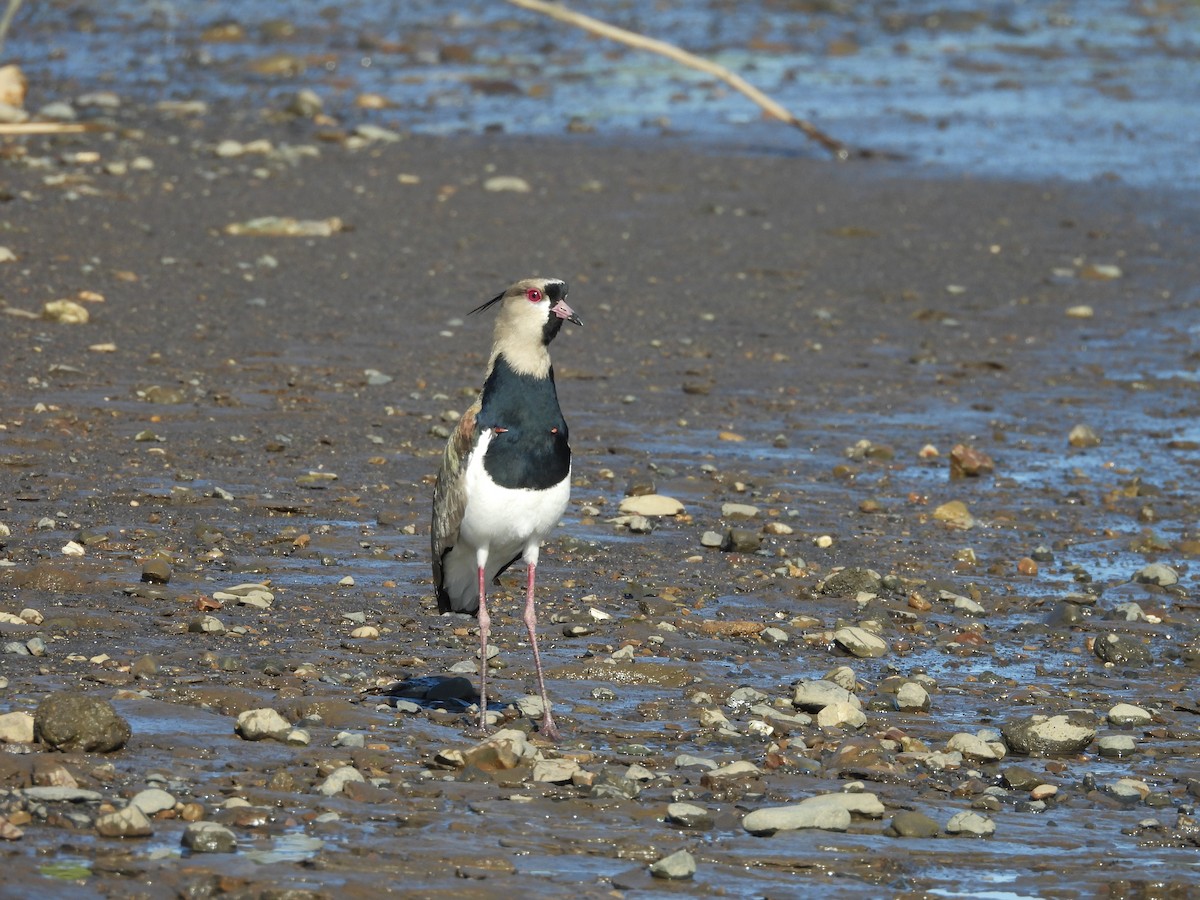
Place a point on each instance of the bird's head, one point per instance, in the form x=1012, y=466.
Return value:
x=531, y=312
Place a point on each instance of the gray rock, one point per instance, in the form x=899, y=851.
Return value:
x=152, y=800
x=974, y=747
x=852, y=581
x=1127, y=714
x=711, y=539
x=911, y=697
x=209, y=837
x=828, y=812
x=860, y=642
x=688, y=815
x=741, y=540
x=1157, y=573
x=1059, y=735
x=678, y=866
x=79, y=723
x=970, y=824
x=813, y=696
x=738, y=511
x=685, y=760
x=125, y=823
x=1122, y=650
x=262, y=724
x=56, y=794
x=910, y=823
x=1117, y=745
x=337, y=780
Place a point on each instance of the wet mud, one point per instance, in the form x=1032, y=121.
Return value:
x=806, y=338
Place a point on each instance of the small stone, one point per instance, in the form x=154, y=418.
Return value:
x=841, y=714
x=651, y=505
x=954, y=514
x=967, y=462
x=67, y=312
x=852, y=581
x=337, y=780
x=912, y=824
x=970, y=824
x=1100, y=272
x=305, y=104
x=555, y=771
x=365, y=632
x=206, y=625
x=738, y=511
x=152, y=801
x=1043, y=792
x=262, y=724
x=1059, y=735
x=741, y=540
x=973, y=747
x=813, y=696
x=1117, y=745
x=678, y=866
x=16, y=728
x=711, y=539
x=1083, y=436
x=1157, y=573
x=156, y=571
x=1127, y=714
x=688, y=815
x=124, y=823
x=209, y=837
x=80, y=723
x=1123, y=650
x=513, y=183
x=861, y=643
x=911, y=697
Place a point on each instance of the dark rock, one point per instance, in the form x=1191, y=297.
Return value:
x=741, y=540
x=156, y=571
x=910, y=823
x=851, y=581
x=1122, y=650
x=75, y=722
x=1058, y=735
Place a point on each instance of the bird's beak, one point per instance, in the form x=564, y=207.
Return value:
x=563, y=311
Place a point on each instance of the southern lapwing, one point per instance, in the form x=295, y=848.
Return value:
x=506, y=474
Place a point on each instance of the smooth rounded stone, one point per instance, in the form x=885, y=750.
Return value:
x=910, y=823
x=1083, y=436
x=741, y=540
x=651, y=505
x=80, y=723
x=555, y=771
x=813, y=696
x=156, y=571
x=209, y=837
x=206, y=625
x=738, y=511
x=297, y=737
x=974, y=747
x=62, y=794
x=843, y=677
x=1128, y=790
x=261, y=725
x=827, y=812
x=688, y=815
x=686, y=760
x=152, y=800
x=1020, y=778
x=712, y=539
x=967, y=606
x=911, y=697
x=1157, y=573
x=1126, y=714
x=860, y=642
x=773, y=635
x=337, y=780
x=970, y=824
x=1117, y=745
x=1122, y=650
x=16, y=728
x=676, y=867
x=59, y=111
x=851, y=581
x=124, y=823
x=1059, y=735
x=304, y=104
x=841, y=714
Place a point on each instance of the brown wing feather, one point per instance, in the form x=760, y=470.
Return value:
x=450, y=496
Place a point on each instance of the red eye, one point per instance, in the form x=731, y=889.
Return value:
x=534, y=295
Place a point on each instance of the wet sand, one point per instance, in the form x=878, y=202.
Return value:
x=748, y=321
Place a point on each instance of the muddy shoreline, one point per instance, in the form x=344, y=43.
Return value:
x=268, y=409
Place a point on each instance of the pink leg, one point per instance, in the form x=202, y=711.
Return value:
x=548, y=727
x=485, y=624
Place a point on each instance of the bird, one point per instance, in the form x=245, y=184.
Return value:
x=505, y=476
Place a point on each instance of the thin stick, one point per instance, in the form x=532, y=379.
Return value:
x=9, y=12
x=735, y=81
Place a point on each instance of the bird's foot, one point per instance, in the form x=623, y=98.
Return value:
x=549, y=730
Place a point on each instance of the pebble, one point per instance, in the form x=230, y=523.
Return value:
x=741, y=540
x=651, y=505
x=851, y=581
x=514, y=183
x=860, y=642
x=1128, y=714
x=827, y=812
x=209, y=837
x=1157, y=573
x=206, y=625
x=1117, y=745
x=1122, y=650
x=124, y=823
x=974, y=747
x=911, y=697
x=1083, y=436
x=156, y=571
x=813, y=696
x=970, y=824
x=337, y=780
x=910, y=823
x=80, y=723
x=688, y=815
x=1041, y=735
x=58, y=794
x=555, y=771
x=840, y=714
x=16, y=728
x=262, y=724
x=152, y=800
x=676, y=867
x=738, y=511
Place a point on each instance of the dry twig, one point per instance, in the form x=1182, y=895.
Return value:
x=735, y=81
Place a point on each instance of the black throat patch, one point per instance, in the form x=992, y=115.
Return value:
x=529, y=447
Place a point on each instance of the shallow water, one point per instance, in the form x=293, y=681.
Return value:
x=1075, y=89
